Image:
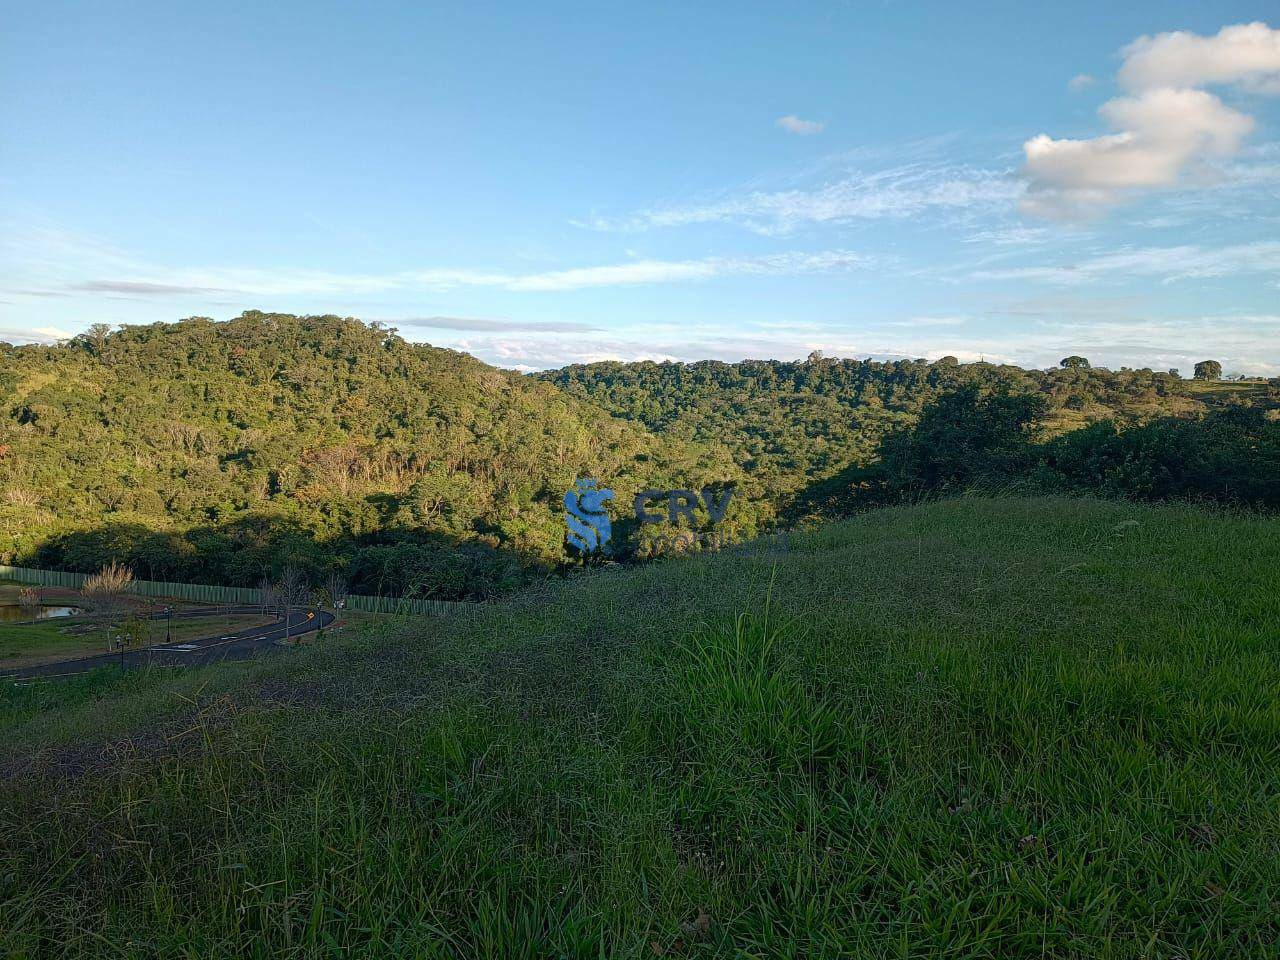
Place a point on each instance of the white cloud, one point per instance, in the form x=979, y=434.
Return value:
x=1081, y=81
x=669, y=271
x=897, y=192
x=1244, y=53
x=20, y=335
x=141, y=289
x=66, y=268
x=928, y=322
x=1015, y=236
x=1168, y=264
x=1165, y=131
x=793, y=124
x=1162, y=133
x=487, y=325
x=52, y=333
x=181, y=284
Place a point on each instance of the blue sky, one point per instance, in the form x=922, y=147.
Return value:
x=548, y=183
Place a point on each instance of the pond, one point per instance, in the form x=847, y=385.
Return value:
x=14, y=613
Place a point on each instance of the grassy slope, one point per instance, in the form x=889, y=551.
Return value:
x=971, y=729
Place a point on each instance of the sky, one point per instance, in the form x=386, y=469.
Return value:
x=553, y=183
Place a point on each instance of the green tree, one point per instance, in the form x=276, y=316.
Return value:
x=963, y=437
x=1208, y=370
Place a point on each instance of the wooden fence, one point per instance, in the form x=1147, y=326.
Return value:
x=208, y=593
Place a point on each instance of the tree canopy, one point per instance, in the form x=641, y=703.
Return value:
x=230, y=451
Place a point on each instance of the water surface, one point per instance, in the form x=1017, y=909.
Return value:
x=14, y=613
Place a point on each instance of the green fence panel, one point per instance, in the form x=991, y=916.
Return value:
x=403, y=605
x=208, y=593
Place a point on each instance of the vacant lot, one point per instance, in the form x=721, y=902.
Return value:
x=979, y=728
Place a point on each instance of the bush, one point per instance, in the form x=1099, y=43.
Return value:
x=1230, y=457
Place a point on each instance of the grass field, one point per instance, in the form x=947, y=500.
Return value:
x=978, y=728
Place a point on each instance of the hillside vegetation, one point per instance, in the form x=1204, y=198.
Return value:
x=791, y=423
x=219, y=452
x=226, y=452
x=975, y=728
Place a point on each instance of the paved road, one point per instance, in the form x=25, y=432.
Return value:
x=227, y=646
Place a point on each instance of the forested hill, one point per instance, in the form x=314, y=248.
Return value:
x=223, y=451
x=220, y=451
x=791, y=423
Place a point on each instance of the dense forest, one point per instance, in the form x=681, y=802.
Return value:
x=791, y=423
x=224, y=451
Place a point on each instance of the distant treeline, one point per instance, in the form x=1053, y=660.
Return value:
x=967, y=438
x=791, y=424
x=224, y=452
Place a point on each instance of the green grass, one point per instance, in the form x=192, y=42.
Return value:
x=22, y=643
x=979, y=728
x=68, y=638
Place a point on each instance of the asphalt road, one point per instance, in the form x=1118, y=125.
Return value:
x=226, y=646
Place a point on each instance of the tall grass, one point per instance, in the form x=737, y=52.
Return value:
x=1009, y=728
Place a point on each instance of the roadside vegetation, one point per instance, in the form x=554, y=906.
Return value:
x=972, y=728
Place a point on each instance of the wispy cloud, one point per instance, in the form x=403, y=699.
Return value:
x=141, y=289
x=1168, y=264
x=793, y=124
x=1081, y=81
x=135, y=278
x=480, y=324
x=898, y=192
x=672, y=271
x=914, y=322
x=1016, y=236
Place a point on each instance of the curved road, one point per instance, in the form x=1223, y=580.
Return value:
x=227, y=646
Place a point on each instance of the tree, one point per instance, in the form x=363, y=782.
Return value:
x=267, y=592
x=335, y=588
x=213, y=452
x=1075, y=363
x=963, y=437
x=1208, y=370
x=96, y=337
x=291, y=590
x=29, y=601
x=428, y=497
x=104, y=592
